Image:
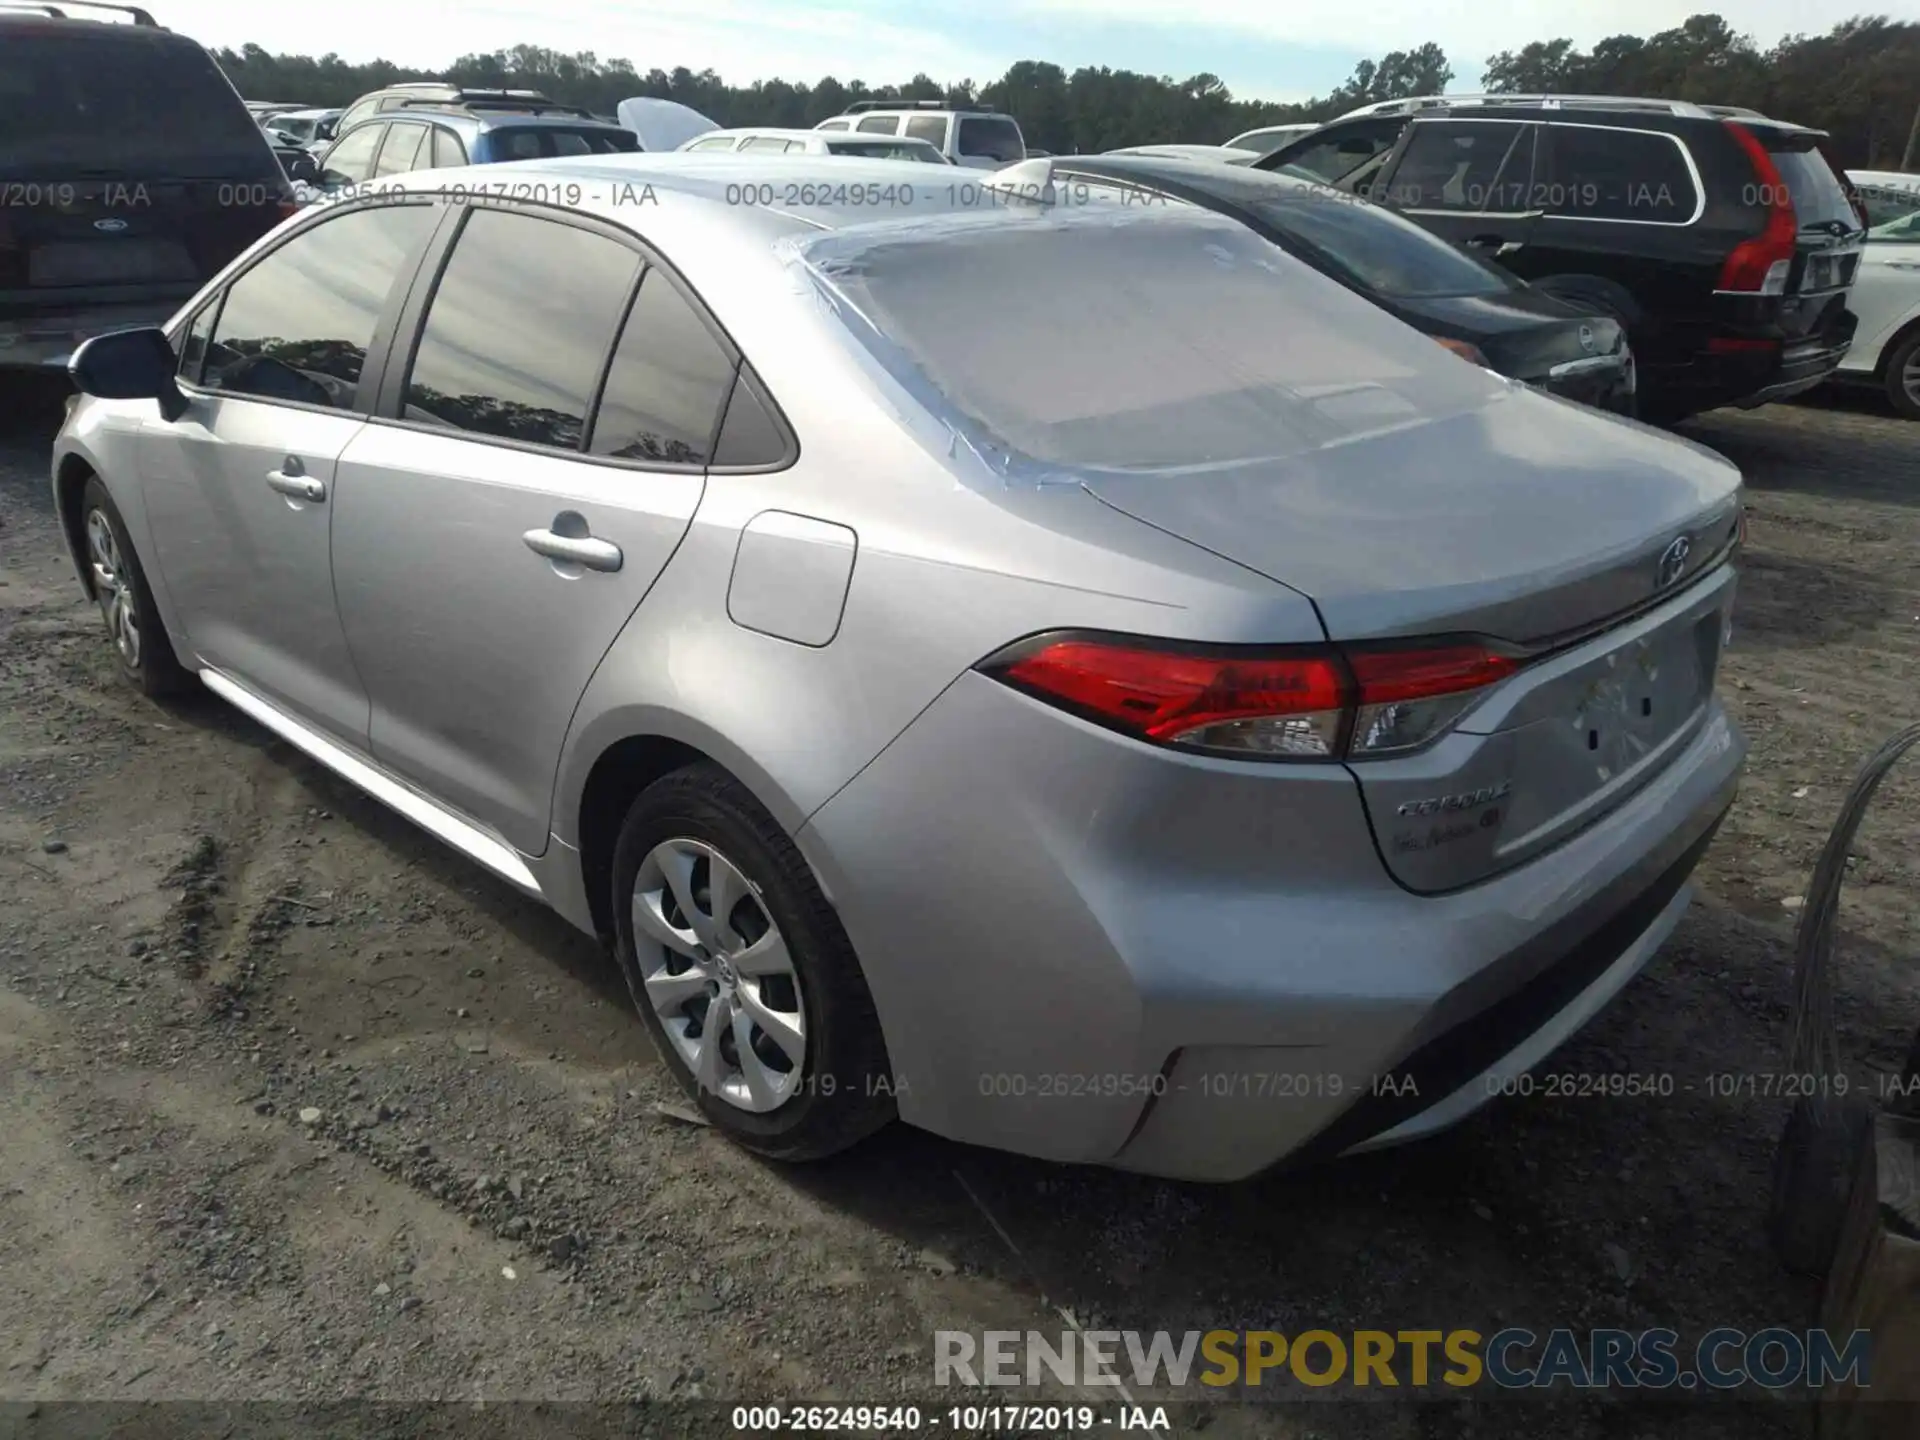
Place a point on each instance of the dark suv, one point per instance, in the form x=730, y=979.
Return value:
x=1724, y=241
x=130, y=172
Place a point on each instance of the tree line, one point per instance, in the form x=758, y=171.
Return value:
x=1860, y=80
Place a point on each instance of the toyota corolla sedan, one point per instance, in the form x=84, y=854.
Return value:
x=1060, y=672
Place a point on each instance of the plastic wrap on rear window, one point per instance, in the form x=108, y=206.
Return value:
x=1052, y=341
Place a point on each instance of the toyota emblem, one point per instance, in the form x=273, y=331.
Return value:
x=1673, y=561
x=1586, y=338
x=112, y=227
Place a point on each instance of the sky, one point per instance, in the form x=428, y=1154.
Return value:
x=1262, y=49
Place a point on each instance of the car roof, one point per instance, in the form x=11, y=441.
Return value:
x=483, y=120
x=780, y=132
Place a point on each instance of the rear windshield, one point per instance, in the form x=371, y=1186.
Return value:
x=991, y=137
x=539, y=142
x=1373, y=247
x=886, y=150
x=1819, y=199
x=1887, y=203
x=100, y=103
x=1132, y=337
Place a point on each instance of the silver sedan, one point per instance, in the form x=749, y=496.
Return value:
x=1015, y=656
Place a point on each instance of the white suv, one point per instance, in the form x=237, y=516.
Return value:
x=980, y=139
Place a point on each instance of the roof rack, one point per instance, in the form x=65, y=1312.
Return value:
x=861, y=107
x=134, y=13
x=1416, y=103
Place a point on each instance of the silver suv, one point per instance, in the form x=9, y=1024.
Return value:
x=981, y=138
x=942, y=704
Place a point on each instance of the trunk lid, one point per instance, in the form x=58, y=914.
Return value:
x=1525, y=334
x=1525, y=520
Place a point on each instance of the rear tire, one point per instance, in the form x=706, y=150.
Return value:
x=756, y=1003
x=1903, y=377
x=125, y=599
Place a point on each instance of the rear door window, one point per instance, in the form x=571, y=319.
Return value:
x=880, y=124
x=542, y=142
x=296, y=326
x=1603, y=173
x=669, y=379
x=766, y=142
x=1466, y=165
x=989, y=137
x=832, y=125
x=448, y=152
x=401, y=152
x=519, y=328
x=93, y=101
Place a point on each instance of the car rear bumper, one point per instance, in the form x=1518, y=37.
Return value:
x=1750, y=369
x=1087, y=949
x=47, y=340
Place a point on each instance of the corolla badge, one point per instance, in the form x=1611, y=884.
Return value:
x=1673, y=561
x=1586, y=338
x=112, y=227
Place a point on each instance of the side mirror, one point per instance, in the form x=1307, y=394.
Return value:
x=326, y=130
x=130, y=365
x=303, y=167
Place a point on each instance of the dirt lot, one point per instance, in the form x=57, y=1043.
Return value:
x=205, y=939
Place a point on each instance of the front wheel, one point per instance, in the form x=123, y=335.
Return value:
x=1903, y=377
x=742, y=973
x=126, y=601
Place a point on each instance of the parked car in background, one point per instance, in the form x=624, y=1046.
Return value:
x=1886, y=298
x=302, y=128
x=1885, y=194
x=771, y=140
x=1215, y=154
x=265, y=110
x=687, y=565
x=980, y=138
x=441, y=95
x=1724, y=241
x=1476, y=310
x=299, y=163
x=130, y=172
x=421, y=138
x=1269, y=137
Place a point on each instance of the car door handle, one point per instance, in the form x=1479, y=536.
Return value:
x=297, y=487
x=581, y=550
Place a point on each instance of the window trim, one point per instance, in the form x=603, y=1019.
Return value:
x=379, y=144
x=378, y=345
x=1686, y=157
x=448, y=133
x=380, y=150
x=396, y=361
x=862, y=129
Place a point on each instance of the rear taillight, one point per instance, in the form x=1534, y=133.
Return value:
x=1290, y=703
x=1463, y=350
x=1761, y=266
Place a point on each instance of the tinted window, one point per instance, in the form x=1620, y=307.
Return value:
x=1464, y=165
x=448, y=152
x=750, y=436
x=297, y=325
x=351, y=160
x=832, y=125
x=1603, y=174
x=880, y=124
x=1818, y=196
x=519, y=329
x=535, y=142
x=668, y=381
x=93, y=100
x=1901, y=230
x=401, y=151
x=1887, y=203
x=930, y=128
x=993, y=137
x=1337, y=154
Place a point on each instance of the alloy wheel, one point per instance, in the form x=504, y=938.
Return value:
x=719, y=976
x=1910, y=376
x=113, y=586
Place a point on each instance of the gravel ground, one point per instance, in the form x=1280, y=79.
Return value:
x=299, y=1106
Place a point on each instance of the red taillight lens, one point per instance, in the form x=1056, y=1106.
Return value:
x=1291, y=704
x=1464, y=350
x=1760, y=266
